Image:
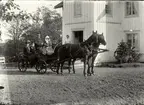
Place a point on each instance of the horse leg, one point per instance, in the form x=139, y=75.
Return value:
x=58, y=65
x=85, y=63
x=88, y=70
x=92, y=71
x=84, y=73
x=93, y=59
x=73, y=65
x=89, y=63
x=69, y=64
x=62, y=67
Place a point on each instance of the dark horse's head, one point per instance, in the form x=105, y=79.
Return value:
x=101, y=39
x=96, y=38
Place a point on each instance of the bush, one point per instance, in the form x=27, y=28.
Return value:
x=126, y=54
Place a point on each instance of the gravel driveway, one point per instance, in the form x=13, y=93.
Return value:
x=110, y=86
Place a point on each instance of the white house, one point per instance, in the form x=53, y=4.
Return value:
x=118, y=20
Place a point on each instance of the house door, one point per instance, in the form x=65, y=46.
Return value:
x=78, y=37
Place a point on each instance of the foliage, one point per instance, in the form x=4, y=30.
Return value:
x=46, y=22
x=125, y=54
x=19, y=25
x=13, y=47
x=24, y=26
x=1, y=50
x=7, y=10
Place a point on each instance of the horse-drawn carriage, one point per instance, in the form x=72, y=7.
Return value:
x=62, y=53
x=38, y=60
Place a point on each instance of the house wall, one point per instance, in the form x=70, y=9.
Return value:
x=134, y=23
x=114, y=28
x=110, y=26
x=141, y=10
x=71, y=23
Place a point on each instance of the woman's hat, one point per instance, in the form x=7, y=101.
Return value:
x=47, y=37
x=28, y=41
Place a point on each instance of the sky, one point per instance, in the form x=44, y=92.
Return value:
x=30, y=6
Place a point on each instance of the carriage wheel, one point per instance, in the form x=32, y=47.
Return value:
x=41, y=67
x=22, y=65
x=53, y=66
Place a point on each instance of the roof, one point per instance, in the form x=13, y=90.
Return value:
x=60, y=5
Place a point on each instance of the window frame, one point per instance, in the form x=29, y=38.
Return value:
x=131, y=15
x=107, y=6
x=138, y=38
x=77, y=3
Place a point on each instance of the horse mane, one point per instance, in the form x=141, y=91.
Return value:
x=93, y=37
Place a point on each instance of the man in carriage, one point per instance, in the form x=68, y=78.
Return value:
x=29, y=52
x=27, y=48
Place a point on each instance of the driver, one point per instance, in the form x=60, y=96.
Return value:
x=27, y=48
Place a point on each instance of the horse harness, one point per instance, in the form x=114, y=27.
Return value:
x=77, y=52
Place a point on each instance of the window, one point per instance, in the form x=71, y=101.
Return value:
x=132, y=39
x=77, y=9
x=131, y=8
x=108, y=8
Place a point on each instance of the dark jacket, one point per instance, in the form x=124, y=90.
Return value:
x=26, y=50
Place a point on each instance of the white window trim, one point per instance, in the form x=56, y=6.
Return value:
x=77, y=15
x=133, y=32
x=134, y=15
x=111, y=6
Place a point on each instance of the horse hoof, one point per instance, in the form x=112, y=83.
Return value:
x=1, y=87
x=86, y=76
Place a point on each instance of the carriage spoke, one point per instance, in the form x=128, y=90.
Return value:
x=41, y=67
x=22, y=65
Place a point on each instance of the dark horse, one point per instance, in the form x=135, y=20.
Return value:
x=95, y=50
x=75, y=51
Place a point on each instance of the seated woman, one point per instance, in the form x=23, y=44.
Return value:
x=48, y=46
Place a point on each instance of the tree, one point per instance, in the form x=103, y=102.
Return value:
x=10, y=51
x=7, y=10
x=18, y=26
x=17, y=19
x=46, y=22
x=24, y=26
x=7, y=13
x=126, y=54
x=52, y=24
